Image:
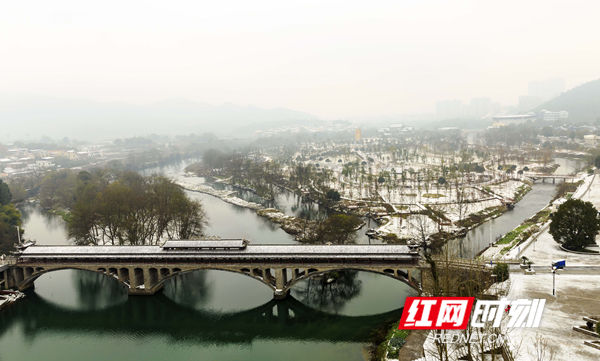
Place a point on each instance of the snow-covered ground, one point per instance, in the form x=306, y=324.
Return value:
x=545, y=249
x=589, y=191
x=506, y=189
x=452, y=211
x=10, y=297
x=411, y=227
x=195, y=184
x=577, y=296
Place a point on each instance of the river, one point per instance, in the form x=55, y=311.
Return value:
x=479, y=238
x=207, y=315
x=212, y=315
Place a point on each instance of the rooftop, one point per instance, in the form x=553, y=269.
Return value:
x=254, y=251
x=219, y=243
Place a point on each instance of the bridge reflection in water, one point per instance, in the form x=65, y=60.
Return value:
x=286, y=319
x=148, y=316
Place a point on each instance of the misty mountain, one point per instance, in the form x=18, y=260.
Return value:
x=33, y=117
x=582, y=102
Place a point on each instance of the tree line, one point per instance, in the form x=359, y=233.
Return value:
x=10, y=220
x=122, y=208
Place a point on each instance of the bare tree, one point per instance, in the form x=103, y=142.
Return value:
x=544, y=351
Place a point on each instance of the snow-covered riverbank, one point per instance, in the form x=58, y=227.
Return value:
x=224, y=195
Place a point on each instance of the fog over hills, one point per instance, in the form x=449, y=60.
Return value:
x=582, y=102
x=34, y=117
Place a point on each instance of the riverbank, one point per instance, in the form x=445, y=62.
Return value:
x=298, y=227
x=224, y=195
x=8, y=297
x=397, y=224
x=290, y=224
x=514, y=243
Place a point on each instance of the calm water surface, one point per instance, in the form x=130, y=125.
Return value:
x=480, y=237
x=203, y=315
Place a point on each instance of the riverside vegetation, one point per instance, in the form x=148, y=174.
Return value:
x=121, y=207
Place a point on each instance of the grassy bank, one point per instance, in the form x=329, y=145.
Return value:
x=524, y=230
x=391, y=345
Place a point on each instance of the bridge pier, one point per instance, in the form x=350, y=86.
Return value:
x=4, y=279
x=145, y=280
x=281, y=294
x=281, y=281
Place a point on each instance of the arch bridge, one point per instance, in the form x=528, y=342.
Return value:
x=553, y=177
x=143, y=270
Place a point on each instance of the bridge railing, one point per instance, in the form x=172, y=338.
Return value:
x=8, y=260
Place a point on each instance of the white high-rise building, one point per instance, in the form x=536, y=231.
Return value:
x=549, y=116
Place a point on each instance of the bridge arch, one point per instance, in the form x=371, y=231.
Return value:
x=241, y=271
x=396, y=274
x=28, y=278
x=147, y=280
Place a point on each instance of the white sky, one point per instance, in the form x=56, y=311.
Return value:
x=330, y=58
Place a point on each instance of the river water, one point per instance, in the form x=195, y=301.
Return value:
x=203, y=315
x=479, y=238
x=212, y=315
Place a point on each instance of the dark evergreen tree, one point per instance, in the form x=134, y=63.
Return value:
x=575, y=224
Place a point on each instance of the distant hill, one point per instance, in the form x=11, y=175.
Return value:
x=34, y=117
x=582, y=102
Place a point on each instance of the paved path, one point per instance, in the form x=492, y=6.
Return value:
x=571, y=270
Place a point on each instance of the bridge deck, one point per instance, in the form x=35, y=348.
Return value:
x=254, y=252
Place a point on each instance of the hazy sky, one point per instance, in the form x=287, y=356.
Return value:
x=329, y=58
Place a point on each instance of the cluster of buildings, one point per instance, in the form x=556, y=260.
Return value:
x=394, y=129
x=20, y=161
x=543, y=115
x=539, y=92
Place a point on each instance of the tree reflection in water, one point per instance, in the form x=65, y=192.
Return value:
x=330, y=291
x=190, y=289
x=95, y=291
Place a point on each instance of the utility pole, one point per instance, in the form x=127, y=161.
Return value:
x=556, y=265
x=553, y=281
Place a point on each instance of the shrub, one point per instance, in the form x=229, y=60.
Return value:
x=501, y=272
x=333, y=195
